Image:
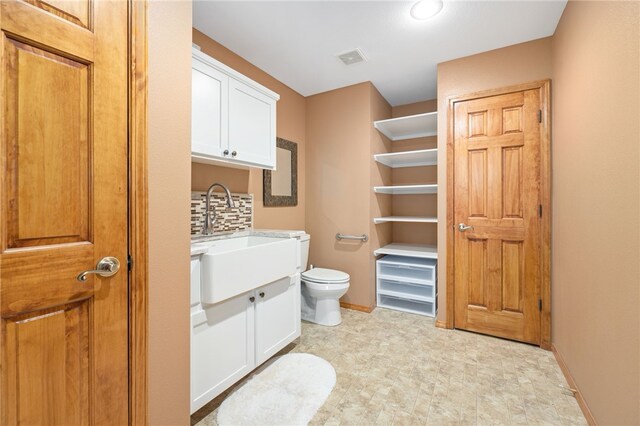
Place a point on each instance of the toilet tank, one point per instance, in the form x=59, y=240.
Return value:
x=304, y=251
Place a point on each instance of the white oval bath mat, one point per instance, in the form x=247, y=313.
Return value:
x=288, y=392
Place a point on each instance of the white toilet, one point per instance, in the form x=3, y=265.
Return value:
x=321, y=290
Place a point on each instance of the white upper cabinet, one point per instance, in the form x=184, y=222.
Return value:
x=252, y=125
x=208, y=113
x=233, y=117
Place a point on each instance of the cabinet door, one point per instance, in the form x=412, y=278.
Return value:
x=277, y=316
x=209, y=111
x=195, y=280
x=222, y=347
x=252, y=125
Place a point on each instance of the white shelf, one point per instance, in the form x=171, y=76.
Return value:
x=424, y=251
x=407, y=189
x=423, y=157
x=396, y=278
x=412, y=219
x=412, y=126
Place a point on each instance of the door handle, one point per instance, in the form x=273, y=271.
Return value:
x=106, y=267
x=462, y=227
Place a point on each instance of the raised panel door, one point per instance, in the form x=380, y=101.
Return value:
x=63, y=202
x=497, y=195
x=252, y=125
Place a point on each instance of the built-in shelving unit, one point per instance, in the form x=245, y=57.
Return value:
x=423, y=157
x=407, y=284
x=409, y=127
x=425, y=251
x=414, y=219
x=406, y=273
x=406, y=189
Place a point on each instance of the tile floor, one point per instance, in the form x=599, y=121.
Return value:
x=397, y=368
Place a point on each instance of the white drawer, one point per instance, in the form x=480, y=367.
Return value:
x=411, y=306
x=407, y=269
x=424, y=292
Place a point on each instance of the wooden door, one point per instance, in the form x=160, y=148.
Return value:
x=497, y=194
x=63, y=193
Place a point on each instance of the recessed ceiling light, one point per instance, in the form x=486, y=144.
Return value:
x=425, y=9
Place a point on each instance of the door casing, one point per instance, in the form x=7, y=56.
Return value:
x=138, y=214
x=545, y=198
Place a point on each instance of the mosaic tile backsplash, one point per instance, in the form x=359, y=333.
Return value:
x=239, y=218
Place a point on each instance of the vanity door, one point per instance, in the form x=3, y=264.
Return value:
x=277, y=316
x=222, y=347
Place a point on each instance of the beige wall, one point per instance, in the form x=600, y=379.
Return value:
x=169, y=162
x=596, y=211
x=339, y=185
x=379, y=175
x=290, y=125
x=498, y=68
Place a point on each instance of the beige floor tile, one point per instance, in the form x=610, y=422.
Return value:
x=394, y=368
x=332, y=421
x=403, y=418
x=541, y=413
x=324, y=413
x=517, y=413
x=492, y=410
x=385, y=417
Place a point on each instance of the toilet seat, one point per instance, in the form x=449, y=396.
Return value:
x=325, y=276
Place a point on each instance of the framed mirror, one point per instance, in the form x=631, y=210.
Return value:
x=280, y=186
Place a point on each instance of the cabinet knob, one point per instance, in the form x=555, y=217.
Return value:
x=262, y=294
x=234, y=153
x=252, y=299
x=226, y=152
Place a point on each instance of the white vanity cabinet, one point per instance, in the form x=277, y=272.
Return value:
x=233, y=117
x=231, y=338
x=277, y=317
x=222, y=347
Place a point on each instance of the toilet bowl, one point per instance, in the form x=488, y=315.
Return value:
x=321, y=290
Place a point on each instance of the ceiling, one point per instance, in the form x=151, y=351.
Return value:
x=297, y=42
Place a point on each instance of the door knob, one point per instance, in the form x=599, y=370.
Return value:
x=106, y=267
x=462, y=227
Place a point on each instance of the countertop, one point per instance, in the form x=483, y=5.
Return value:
x=197, y=246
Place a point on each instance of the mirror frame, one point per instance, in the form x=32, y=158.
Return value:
x=270, y=200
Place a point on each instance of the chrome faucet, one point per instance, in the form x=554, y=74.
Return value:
x=209, y=212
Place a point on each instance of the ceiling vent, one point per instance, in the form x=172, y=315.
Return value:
x=353, y=57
